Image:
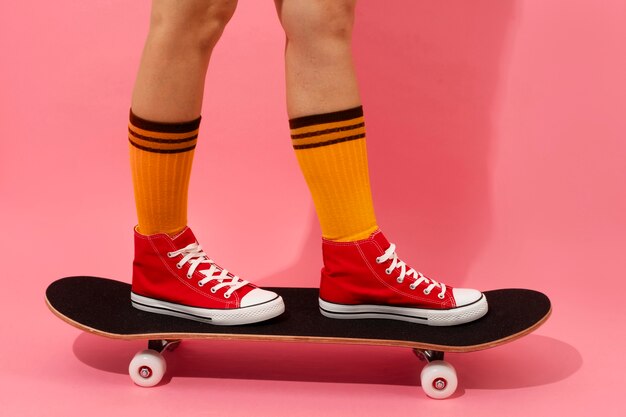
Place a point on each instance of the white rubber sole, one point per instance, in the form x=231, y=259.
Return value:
x=430, y=317
x=221, y=317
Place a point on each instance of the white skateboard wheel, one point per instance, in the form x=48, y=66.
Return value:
x=439, y=379
x=147, y=368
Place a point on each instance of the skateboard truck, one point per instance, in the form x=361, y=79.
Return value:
x=428, y=355
x=159, y=345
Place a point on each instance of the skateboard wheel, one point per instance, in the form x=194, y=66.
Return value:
x=147, y=368
x=439, y=379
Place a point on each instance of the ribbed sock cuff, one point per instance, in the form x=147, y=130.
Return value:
x=327, y=129
x=164, y=138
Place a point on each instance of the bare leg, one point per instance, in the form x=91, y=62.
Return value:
x=362, y=274
x=171, y=273
x=183, y=33
x=326, y=120
x=169, y=89
x=320, y=73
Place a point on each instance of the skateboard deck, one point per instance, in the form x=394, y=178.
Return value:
x=102, y=307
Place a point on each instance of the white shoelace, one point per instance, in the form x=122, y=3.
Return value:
x=195, y=256
x=418, y=277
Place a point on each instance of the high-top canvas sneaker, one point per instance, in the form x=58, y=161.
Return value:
x=173, y=276
x=366, y=279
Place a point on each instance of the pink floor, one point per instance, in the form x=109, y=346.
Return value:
x=497, y=144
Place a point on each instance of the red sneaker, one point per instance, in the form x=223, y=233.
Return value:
x=173, y=276
x=365, y=279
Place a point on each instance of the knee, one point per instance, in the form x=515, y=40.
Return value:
x=318, y=20
x=194, y=24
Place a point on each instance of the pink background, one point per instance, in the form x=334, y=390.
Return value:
x=497, y=149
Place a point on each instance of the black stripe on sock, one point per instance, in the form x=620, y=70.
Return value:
x=337, y=116
x=159, y=140
x=153, y=150
x=182, y=127
x=329, y=142
x=327, y=131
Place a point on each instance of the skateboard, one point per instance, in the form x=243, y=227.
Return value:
x=102, y=306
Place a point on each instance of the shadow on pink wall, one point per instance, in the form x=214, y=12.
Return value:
x=430, y=77
x=521, y=364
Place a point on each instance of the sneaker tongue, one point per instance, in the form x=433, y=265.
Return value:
x=184, y=238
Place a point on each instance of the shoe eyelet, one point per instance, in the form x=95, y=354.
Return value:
x=387, y=271
x=378, y=261
x=213, y=290
x=189, y=276
x=426, y=292
x=170, y=255
x=226, y=295
x=399, y=281
x=412, y=287
x=179, y=266
x=200, y=283
x=441, y=296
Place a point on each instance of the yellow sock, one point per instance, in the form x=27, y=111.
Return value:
x=332, y=155
x=161, y=155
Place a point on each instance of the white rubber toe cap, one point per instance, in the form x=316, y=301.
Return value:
x=258, y=296
x=465, y=296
